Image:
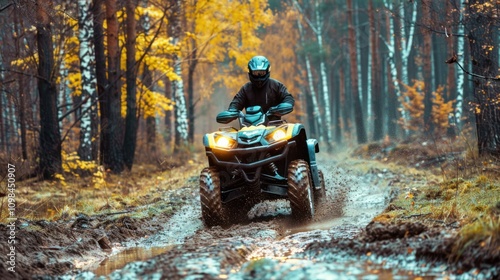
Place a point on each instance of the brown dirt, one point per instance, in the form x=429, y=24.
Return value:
x=54, y=247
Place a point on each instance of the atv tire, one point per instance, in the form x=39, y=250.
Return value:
x=300, y=191
x=212, y=210
x=320, y=192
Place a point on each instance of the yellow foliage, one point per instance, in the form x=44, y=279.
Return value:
x=415, y=107
x=441, y=111
x=61, y=178
x=223, y=30
x=150, y=103
x=72, y=164
x=98, y=179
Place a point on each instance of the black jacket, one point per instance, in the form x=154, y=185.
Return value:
x=270, y=94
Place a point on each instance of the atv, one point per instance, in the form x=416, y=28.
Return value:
x=265, y=159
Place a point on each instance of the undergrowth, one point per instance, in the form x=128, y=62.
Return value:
x=459, y=190
x=103, y=193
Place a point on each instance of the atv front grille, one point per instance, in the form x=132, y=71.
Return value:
x=249, y=157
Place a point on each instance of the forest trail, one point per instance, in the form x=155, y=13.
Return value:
x=342, y=241
x=270, y=245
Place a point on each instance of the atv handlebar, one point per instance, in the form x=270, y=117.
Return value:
x=232, y=114
x=227, y=116
x=280, y=109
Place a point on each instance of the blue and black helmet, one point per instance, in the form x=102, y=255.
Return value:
x=259, y=70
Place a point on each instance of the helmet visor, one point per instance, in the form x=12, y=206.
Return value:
x=259, y=73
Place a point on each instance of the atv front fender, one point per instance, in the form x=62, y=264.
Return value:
x=313, y=148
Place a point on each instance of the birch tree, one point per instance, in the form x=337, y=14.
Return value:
x=310, y=82
x=391, y=47
x=461, y=61
x=181, y=118
x=324, y=78
x=406, y=41
x=317, y=28
x=86, y=150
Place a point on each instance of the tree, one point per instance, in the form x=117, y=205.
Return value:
x=87, y=150
x=377, y=97
x=181, y=121
x=427, y=66
x=481, y=25
x=112, y=122
x=314, y=109
x=50, y=136
x=358, y=112
x=131, y=121
x=460, y=61
x=390, y=43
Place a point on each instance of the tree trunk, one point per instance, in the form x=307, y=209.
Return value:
x=193, y=61
x=50, y=136
x=147, y=79
x=112, y=126
x=131, y=122
x=101, y=79
x=460, y=74
x=358, y=111
x=406, y=42
x=391, y=46
x=484, y=64
x=22, y=116
x=167, y=136
x=451, y=78
x=324, y=79
x=391, y=87
x=338, y=109
x=427, y=67
x=87, y=68
x=312, y=92
x=377, y=97
x=181, y=121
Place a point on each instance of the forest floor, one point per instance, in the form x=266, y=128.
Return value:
x=444, y=206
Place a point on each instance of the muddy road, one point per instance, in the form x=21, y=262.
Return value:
x=270, y=245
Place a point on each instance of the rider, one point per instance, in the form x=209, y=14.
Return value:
x=261, y=90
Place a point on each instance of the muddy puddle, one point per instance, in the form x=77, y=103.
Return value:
x=270, y=245
x=126, y=256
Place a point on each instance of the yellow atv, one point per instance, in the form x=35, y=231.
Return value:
x=262, y=160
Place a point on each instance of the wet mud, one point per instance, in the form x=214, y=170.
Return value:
x=341, y=242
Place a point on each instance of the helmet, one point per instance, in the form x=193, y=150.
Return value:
x=259, y=70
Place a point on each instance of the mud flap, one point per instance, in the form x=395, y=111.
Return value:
x=313, y=148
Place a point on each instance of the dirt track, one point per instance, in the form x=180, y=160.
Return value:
x=271, y=246
x=341, y=242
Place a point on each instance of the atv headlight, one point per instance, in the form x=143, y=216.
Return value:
x=277, y=135
x=224, y=142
